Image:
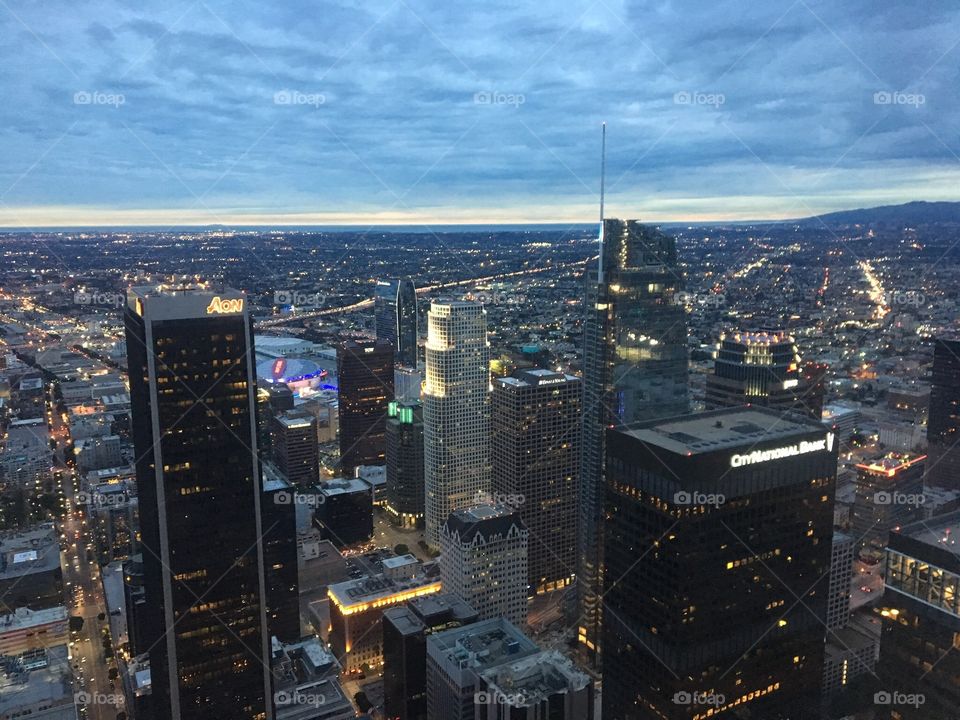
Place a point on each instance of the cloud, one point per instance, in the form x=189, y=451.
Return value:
x=427, y=107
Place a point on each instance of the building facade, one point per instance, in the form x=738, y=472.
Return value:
x=716, y=524
x=536, y=424
x=764, y=368
x=456, y=412
x=483, y=559
x=199, y=493
x=405, y=484
x=405, y=632
x=294, y=447
x=634, y=369
x=921, y=622
x=889, y=492
x=395, y=308
x=943, y=421
x=365, y=387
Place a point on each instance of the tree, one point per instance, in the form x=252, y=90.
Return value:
x=401, y=549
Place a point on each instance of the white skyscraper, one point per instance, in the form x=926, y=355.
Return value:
x=483, y=559
x=456, y=411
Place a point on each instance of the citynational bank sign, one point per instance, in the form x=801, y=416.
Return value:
x=801, y=448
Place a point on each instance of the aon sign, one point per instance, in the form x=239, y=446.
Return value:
x=223, y=306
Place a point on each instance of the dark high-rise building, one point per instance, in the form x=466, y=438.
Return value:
x=764, y=368
x=634, y=369
x=343, y=511
x=405, y=632
x=294, y=440
x=716, y=566
x=405, y=485
x=889, y=492
x=536, y=423
x=395, y=307
x=280, y=555
x=365, y=379
x=191, y=360
x=943, y=421
x=919, y=664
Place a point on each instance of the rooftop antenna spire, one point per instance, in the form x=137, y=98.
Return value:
x=603, y=180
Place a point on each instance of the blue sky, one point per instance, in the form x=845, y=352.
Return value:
x=436, y=111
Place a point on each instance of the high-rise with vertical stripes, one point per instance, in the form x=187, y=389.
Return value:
x=456, y=411
x=192, y=385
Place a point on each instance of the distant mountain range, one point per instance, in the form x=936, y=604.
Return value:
x=918, y=212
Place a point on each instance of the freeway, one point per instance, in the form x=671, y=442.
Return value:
x=363, y=304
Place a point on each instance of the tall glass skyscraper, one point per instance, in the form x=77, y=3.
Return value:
x=943, y=425
x=718, y=530
x=192, y=387
x=634, y=369
x=395, y=308
x=456, y=411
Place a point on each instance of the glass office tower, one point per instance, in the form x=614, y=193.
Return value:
x=718, y=533
x=634, y=369
x=192, y=387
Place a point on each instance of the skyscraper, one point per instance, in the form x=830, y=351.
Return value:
x=294, y=447
x=536, y=424
x=919, y=663
x=395, y=307
x=483, y=559
x=456, y=411
x=634, y=369
x=405, y=489
x=889, y=492
x=405, y=632
x=192, y=384
x=717, y=557
x=365, y=387
x=943, y=422
x=764, y=368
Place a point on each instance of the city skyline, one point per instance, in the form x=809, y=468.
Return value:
x=230, y=114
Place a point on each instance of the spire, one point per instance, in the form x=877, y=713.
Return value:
x=603, y=179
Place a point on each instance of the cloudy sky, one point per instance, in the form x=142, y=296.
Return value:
x=182, y=111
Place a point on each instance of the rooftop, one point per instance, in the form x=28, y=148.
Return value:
x=482, y=645
x=722, y=429
x=942, y=531
x=891, y=463
x=536, y=677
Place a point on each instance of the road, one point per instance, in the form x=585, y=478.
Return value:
x=84, y=593
x=82, y=578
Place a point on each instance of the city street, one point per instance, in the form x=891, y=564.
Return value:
x=84, y=593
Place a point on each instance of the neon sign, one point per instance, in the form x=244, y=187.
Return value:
x=801, y=448
x=223, y=306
